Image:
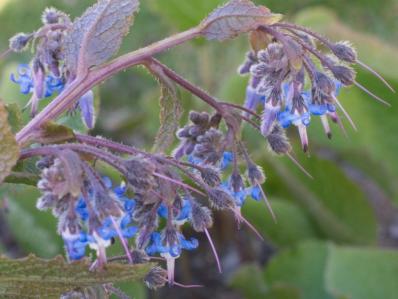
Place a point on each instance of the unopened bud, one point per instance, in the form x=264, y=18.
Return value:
x=156, y=278
x=278, y=142
x=344, y=74
x=236, y=181
x=20, y=42
x=201, y=218
x=220, y=199
x=345, y=51
x=51, y=15
x=255, y=174
x=198, y=118
x=210, y=176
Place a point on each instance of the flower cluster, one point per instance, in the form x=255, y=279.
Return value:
x=160, y=195
x=288, y=85
x=92, y=219
x=47, y=74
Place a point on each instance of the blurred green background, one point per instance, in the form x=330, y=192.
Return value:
x=336, y=235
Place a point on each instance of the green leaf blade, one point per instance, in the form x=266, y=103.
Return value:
x=32, y=277
x=9, y=149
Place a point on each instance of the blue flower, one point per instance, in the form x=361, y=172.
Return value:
x=53, y=85
x=174, y=251
x=81, y=209
x=253, y=98
x=227, y=159
x=25, y=80
x=255, y=193
x=184, y=214
x=239, y=197
x=75, y=245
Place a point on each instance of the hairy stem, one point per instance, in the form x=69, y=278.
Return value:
x=83, y=84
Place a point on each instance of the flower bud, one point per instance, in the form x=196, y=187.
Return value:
x=236, y=181
x=139, y=257
x=278, y=142
x=210, y=176
x=20, y=42
x=51, y=16
x=344, y=74
x=220, y=199
x=156, y=278
x=345, y=51
x=201, y=218
x=198, y=118
x=139, y=174
x=255, y=174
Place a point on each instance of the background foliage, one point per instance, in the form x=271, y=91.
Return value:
x=336, y=234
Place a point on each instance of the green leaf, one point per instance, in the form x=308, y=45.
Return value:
x=184, y=14
x=338, y=206
x=302, y=267
x=33, y=277
x=236, y=17
x=97, y=35
x=34, y=230
x=170, y=112
x=14, y=116
x=9, y=149
x=283, y=291
x=249, y=280
x=362, y=273
x=292, y=224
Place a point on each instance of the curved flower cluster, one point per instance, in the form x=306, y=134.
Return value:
x=290, y=86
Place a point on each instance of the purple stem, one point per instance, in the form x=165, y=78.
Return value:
x=93, y=77
x=213, y=248
x=122, y=240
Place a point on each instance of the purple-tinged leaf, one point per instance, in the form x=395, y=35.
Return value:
x=87, y=110
x=236, y=17
x=97, y=34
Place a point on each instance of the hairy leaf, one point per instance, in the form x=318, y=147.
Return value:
x=33, y=277
x=236, y=17
x=9, y=149
x=97, y=34
x=170, y=112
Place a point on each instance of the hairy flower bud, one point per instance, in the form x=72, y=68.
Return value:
x=51, y=15
x=20, y=42
x=344, y=74
x=156, y=278
x=201, y=218
x=220, y=199
x=139, y=257
x=255, y=174
x=345, y=51
x=236, y=182
x=199, y=118
x=139, y=174
x=278, y=142
x=210, y=176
